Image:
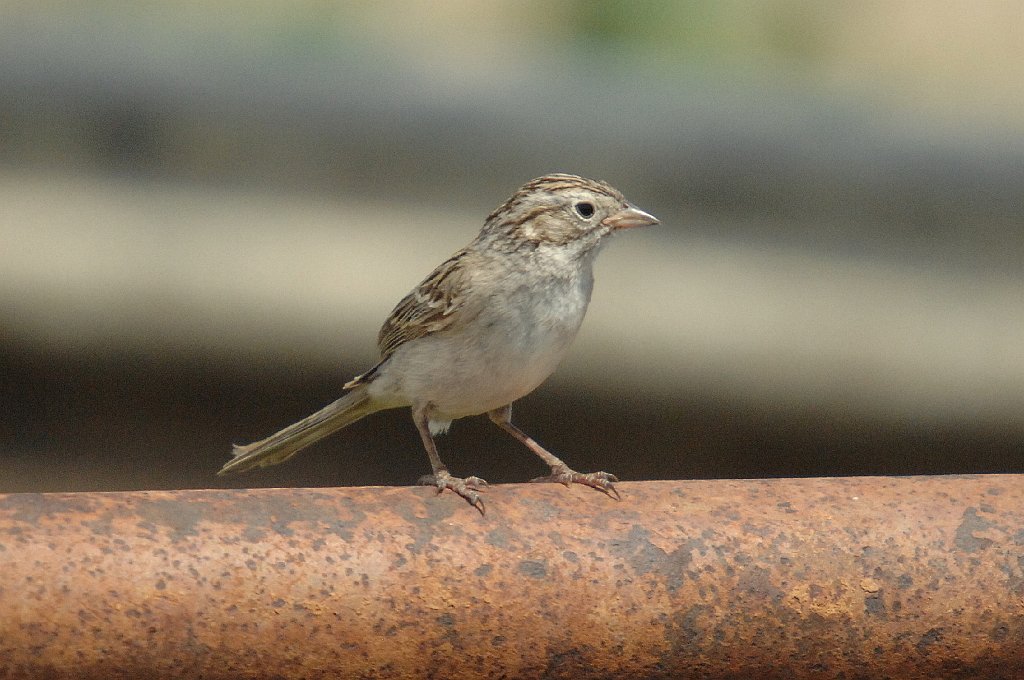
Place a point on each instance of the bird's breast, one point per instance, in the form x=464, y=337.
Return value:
x=514, y=343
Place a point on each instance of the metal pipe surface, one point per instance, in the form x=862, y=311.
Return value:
x=916, y=577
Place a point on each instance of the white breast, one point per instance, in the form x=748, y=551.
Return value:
x=510, y=348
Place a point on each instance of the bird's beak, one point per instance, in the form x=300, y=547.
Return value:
x=629, y=218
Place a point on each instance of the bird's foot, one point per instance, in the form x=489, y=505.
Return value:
x=465, y=487
x=602, y=481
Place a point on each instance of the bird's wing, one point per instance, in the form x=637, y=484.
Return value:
x=436, y=304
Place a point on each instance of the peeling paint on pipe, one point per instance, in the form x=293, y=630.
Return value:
x=917, y=577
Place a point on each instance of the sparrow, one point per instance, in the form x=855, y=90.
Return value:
x=484, y=329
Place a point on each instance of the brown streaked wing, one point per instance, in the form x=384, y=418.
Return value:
x=429, y=308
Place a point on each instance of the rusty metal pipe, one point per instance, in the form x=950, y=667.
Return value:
x=790, y=578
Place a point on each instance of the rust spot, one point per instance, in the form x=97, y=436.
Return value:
x=874, y=604
x=930, y=638
x=685, y=634
x=171, y=516
x=965, y=539
x=534, y=568
x=644, y=557
x=498, y=538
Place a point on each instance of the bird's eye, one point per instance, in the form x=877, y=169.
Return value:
x=585, y=210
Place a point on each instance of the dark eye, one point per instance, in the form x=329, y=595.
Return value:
x=585, y=210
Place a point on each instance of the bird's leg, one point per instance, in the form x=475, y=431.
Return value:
x=441, y=478
x=560, y=472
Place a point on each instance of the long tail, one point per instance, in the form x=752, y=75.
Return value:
x=282, y=445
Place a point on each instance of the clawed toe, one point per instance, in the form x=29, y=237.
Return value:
x=467, y=488
x=602, y=481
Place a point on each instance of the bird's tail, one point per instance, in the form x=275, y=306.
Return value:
x=282, y=445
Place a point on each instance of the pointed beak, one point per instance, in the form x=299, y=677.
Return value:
x=629, y=218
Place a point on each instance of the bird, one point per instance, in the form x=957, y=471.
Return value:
x=483, y=330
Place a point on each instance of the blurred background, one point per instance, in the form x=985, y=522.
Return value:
x=207, y=210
